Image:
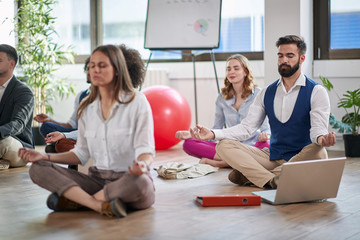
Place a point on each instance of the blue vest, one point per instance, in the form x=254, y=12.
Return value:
x=289, y=138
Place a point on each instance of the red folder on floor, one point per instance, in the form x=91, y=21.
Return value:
x=228, y=200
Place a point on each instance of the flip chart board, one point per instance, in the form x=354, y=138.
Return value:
x=182, y=24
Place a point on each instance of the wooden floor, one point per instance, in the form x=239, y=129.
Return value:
x=175, y=215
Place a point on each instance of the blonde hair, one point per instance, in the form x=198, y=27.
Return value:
x=248, y=84
x=121, y=81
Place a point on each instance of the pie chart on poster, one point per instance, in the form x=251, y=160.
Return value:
x=201, y=26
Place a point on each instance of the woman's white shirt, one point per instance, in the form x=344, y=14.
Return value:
x=116, y=142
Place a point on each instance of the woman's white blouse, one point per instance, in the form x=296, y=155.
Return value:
x=116, y=142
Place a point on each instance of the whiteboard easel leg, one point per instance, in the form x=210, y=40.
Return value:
x=216, y=77
x=196, y=114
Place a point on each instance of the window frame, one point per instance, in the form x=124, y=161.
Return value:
x=322, y=49
x=96, y=39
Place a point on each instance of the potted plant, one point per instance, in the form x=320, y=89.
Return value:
x=350, y=122
x=40, y=55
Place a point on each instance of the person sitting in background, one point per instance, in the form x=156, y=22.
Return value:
x=232, y=106
x=54, y=131
x=116, y=130
x=16, y=110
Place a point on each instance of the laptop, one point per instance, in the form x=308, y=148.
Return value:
x=306, y=181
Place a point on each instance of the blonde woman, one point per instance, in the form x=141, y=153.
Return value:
x=232, y=106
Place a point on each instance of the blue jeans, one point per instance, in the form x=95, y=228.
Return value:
x=48, y=127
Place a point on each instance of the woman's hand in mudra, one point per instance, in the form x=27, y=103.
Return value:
x=54, y=137
x=201, y=133
x=138, y=168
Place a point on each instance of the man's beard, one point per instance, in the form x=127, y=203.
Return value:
x=288, y=71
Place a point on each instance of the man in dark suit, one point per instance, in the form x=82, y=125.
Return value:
x=16, y=111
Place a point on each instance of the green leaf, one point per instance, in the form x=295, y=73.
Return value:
x=40, y=55
x=349, y=100
x=326, y=83
x=341, y=126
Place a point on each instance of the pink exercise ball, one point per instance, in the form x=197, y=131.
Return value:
x=171, y=112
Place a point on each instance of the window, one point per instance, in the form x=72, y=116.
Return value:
x=123, y=21
x=242, y=26
x=337, y=29
x=73, y=24
x=6, y=26
x=344, y=24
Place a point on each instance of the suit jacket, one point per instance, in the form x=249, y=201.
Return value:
x=16, y=112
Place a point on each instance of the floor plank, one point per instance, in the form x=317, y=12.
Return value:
x=175, y=215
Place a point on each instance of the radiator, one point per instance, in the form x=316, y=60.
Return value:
x=156, y=77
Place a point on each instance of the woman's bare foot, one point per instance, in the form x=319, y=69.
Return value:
x=183, y=135
x=214, y=162
x=204, y=160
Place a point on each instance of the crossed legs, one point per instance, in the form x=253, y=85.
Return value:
x=255, y=163
x=96, y=188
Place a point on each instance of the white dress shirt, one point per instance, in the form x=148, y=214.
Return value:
x=284, y=103
x=116, y=142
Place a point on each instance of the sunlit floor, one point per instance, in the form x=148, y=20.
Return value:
x=175, y=215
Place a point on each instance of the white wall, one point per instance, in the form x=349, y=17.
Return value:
x=6, y=25
x=284, y=17
x=344, y=75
